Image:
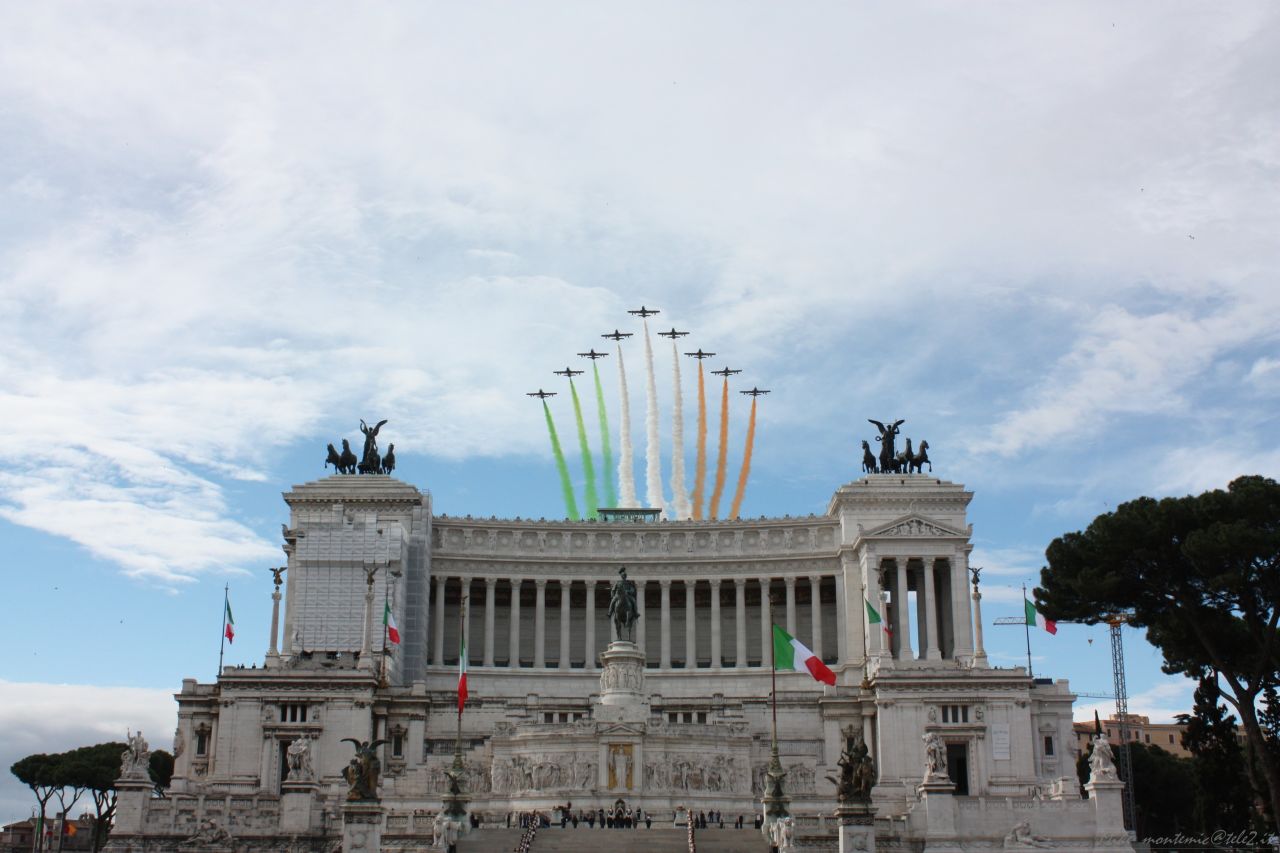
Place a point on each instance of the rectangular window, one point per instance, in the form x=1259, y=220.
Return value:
x=548, y=717
x=702, y=716
x=964, y=713
x=202, y=743
x=1048, y=744
x=1170, y=738
x=946, y=713
x=1148, y=738
x=397, y=746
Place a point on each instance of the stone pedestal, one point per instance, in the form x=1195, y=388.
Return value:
x=362, y=826
x=857, y=827
x=622, y=698
x=296, y=799
x=132, y=795
x=938, y=802
x=1108, y=806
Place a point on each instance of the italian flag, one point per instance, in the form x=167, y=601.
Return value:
x=462, y=675
x=790, y=653
x=389, y=620
x=873, y=617
x=228, y=624
x=1036, y=618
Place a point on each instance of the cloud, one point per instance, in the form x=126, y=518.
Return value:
x=1160, y=703
x=37, y=717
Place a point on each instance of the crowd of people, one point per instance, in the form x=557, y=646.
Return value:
x=618, y=818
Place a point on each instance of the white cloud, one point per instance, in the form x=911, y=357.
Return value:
x=38, y=717
x=1160, y=704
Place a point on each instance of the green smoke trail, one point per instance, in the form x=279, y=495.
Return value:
x=570, y=505
x=606, y=452
x=588, y=467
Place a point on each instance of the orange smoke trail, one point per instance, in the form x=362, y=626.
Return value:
x=746, y=462
x=724, y=449
x=700, y=476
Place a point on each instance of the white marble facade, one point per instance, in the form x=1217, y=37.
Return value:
x=537, y=733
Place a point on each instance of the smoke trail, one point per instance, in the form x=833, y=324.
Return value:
x=606, y=452
x=626, y=468
x=700, y=475
x=746, y=462
x=679, y=495
x=570, y=505
x=653, y=450
x=724, y=448
x=588, y=466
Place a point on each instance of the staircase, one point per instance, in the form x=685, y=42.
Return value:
x=585, y=840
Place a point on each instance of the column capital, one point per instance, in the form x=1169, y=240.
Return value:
x=540, y=582
x=665, y=583
x=739, y=582
x=790, y=580
x=515, y=582
x=441, y=580
x=765, y=581
x=491, y=582
x=715, y=583
x=815, y=579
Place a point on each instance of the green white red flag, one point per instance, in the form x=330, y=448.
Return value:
x=1036, y=618
x=389, y=620
x=873, y=618
x=790, y=653
x=228, y=623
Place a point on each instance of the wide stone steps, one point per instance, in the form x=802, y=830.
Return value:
x=584, y=840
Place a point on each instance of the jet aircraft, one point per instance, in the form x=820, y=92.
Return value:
x=540, y=394
x=616, y=335
x=592, y=354
x=726, y=373
x=568, y=371
x=754, y=392
x=700, y=355
x=644, y=312
x=673, y=334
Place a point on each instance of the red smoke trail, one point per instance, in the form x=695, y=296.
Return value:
x=700, y=475
x=724, y=449
x=746, y=462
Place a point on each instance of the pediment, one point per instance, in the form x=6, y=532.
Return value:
x=912, y=526
x=621, y=729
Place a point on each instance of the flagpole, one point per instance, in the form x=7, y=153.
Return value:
x=866, y=629
x=462, y=638
x=222, y=643
x=1027, y=629
x=386, y=599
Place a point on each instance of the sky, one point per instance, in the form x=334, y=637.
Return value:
x=1042, y=234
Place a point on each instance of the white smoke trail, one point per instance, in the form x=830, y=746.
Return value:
x=679, y=494
x=653, y=450
x=626, y=468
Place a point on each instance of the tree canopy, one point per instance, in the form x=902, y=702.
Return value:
x=1202, y=575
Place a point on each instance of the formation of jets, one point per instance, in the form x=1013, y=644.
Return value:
x=616, y=335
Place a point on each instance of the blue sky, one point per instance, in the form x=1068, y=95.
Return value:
x=1043, y=234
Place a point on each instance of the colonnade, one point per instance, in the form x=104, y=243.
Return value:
x=696, y=618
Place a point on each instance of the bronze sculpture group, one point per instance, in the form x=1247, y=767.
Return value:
x=857, y=771
x=890, y=461
x=362, y=772
x=623, y=608
x=370, y=461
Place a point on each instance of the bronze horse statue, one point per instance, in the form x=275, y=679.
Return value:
x=920, y=458
x=623, y=609
x=868, y=459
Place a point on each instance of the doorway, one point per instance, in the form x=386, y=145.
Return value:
x=958, y=767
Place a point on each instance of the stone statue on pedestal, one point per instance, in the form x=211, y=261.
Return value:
x=935, y=757
x=299, y=759
x=1102, y=763
x=135, y=761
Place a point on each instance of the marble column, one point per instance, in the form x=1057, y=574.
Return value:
x=464, y=623
x=565, y=589
x=740, y=621
x=961, y=606
x=589, y=642
x=438, y=657
x=715, y=624
x=791, y=605
x=869, y=575
x=665, y=648
x=641, y=634
x=275, y=622
x=842, y=620
x=932, y=652
x=902, y=613
x=540, y=624
x=815, y=594
x=490, y=587
x=766, y=622
x=690, y=626
x=513, y=644
x=979, y=652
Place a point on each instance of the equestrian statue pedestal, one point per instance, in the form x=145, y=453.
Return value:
x=857, y=827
